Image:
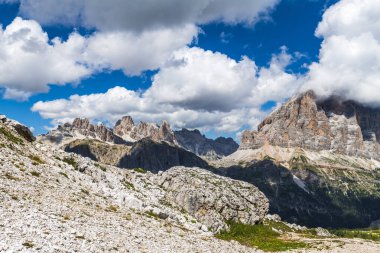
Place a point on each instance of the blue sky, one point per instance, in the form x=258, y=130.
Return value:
x=285, y=32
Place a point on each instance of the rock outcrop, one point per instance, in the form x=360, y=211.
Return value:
x=197, y=143
x=80, y=129
x=21, y=129
x=212, y=199
x=126, y=129
x=343, y=127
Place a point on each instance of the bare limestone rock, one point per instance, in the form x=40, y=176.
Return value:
x=343, y=127
x=21, y=129
x=79, y=129
x=52, y=201
x=212, y=199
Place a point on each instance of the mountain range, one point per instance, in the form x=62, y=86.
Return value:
x=314, y=162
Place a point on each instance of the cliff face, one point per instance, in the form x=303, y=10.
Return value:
x=80, y=129
x=126, y=129
x=145, y=153
x=197, y=143
x=343, y=127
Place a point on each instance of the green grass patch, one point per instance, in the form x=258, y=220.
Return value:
x=140, y=170
x=368, y=234
x=10, y=136
x=128, y=185
x=63, y=174
x=11, y=177
x=260, y=236
x=36, y=160
x=113, y=208
x=71, y=161
x=101, y=167
x=28, y=244
x=35, y=173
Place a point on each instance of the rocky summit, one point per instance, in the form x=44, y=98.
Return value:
x=126, y=129
x=332, y=124
x=127, y=132
x=194, y=141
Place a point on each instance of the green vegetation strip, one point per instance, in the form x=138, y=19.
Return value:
x=11, y=137
x=260, y=236
x=368, y=234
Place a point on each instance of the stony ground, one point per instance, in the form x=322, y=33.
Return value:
x=52, y=201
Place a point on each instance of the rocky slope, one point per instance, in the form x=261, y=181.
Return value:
x=53, y=201
x=311, y=188
x=197, y=143
x=145, y=153
x=343, y=127
x=316, y=161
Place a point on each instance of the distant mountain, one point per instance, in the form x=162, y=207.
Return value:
x=127, y=132
x=197, y=143
x=127, y=145
x=126, y=129
x=124, y=132
x=339, y=126
x=317, y=161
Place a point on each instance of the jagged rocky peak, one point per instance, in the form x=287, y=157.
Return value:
x=80, y=129
x=197, y=143
x=126, y=129
x=124, y=125
x=334, y=124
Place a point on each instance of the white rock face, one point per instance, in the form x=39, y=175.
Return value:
x=212, y=199
x=52, y=201
x=338, y=126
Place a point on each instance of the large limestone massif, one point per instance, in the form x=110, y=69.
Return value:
x=343, y=127
x=316, y=160
x=212, y=199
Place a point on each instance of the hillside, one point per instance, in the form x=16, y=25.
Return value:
x=316, y=160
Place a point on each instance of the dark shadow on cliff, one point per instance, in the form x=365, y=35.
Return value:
x=159, y=156
x=321, y=204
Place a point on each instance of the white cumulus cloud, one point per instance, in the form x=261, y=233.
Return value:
x=30, y=61
x=349, y=60
x=138, y=15
x=196, y=89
